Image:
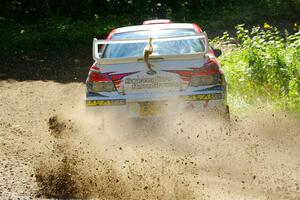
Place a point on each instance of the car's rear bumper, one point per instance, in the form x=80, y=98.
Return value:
x=168, y=104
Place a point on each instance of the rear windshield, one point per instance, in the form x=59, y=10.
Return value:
x=186, y=46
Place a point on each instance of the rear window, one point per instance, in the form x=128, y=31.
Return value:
x=124, y=50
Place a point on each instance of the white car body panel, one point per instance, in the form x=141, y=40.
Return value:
x=155, y=27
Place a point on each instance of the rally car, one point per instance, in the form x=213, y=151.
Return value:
x=154, y=69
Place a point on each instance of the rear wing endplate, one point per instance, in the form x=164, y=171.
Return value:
x=97, y=55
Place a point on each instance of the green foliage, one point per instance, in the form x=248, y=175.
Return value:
x=263, y=65
x=55, y=34
x=30, y=25
x=30, y=11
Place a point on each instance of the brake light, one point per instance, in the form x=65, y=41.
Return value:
x=98, y=82
x=157, y=21
x=209, y=74
x=98, y=77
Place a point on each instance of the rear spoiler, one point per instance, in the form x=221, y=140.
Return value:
x=97, y=56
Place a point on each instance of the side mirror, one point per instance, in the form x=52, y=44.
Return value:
x=217, y=52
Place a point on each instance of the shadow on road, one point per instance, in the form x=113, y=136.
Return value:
x=60, y=66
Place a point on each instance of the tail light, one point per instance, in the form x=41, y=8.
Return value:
x=98, y=82
x=209, y=74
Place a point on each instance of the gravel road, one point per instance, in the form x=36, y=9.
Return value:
x=51, y=148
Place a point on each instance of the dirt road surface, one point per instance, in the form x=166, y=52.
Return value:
x=51, y=148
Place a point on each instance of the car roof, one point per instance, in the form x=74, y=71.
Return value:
x=154, y=27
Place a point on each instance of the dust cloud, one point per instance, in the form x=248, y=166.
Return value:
x=188, y=157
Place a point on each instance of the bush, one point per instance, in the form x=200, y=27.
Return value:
x=262, y=65
x=62, y=33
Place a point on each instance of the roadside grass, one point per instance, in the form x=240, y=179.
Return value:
x=262, y=67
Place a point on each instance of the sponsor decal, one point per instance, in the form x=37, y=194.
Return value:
x=94, y=94
x=201, y=97
x=148, y=80
x=105, y=102
x=185, y=75
x=194, y=71
x=155, y=82
x=217, y=87
x=118, y=78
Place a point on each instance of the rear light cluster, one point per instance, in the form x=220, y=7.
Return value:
x=205, y=80
x=209, y=74
x=98, y=82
